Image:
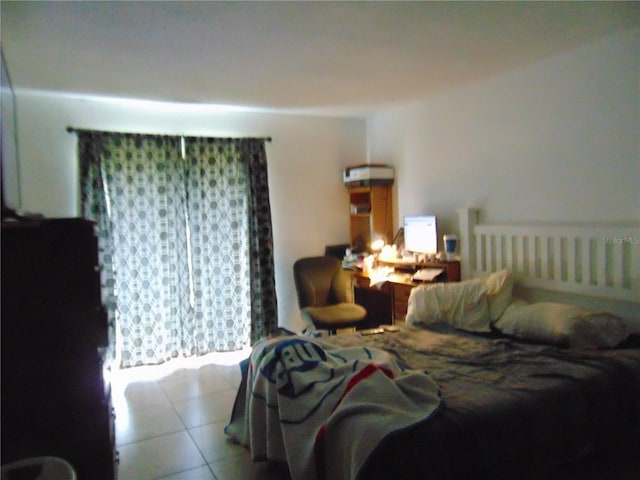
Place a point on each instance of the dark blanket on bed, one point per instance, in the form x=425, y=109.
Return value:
x=511, y=409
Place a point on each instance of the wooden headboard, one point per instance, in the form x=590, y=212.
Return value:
x=594, y=260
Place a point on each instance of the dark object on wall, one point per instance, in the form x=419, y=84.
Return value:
x=337, y=251
x=54, y=398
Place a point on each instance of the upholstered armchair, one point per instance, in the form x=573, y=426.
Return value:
x=321, y=286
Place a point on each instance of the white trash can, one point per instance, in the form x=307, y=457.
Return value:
x=38, y=468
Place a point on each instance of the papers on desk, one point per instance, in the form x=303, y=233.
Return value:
x=378, y=276
x=427, y=274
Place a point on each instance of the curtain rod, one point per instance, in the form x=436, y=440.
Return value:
x=266, y=139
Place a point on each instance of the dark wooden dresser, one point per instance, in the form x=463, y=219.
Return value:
x=54, y=331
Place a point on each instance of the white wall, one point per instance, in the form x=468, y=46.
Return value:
x=556, y=141
x=305, y=160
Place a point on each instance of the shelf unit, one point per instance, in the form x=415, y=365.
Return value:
x=371, y=215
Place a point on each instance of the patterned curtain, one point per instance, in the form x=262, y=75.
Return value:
x=176, y=243
x=264, y=307
x=94, y=207
x=232, y=248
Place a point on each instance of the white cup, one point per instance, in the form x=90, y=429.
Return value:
x=450, y=246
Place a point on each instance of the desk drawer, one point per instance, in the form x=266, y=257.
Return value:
x=400, y=301
x=360, y=281
x=401, y=292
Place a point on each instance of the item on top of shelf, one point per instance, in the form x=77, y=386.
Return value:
x=365, y=175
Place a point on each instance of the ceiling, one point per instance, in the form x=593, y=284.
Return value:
x=342, y=58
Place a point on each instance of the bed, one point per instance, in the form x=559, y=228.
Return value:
x=529, y=368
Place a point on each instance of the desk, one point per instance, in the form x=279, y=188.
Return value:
x=390, y=304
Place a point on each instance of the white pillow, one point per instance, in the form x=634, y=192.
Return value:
x=462, y=304
x=562, y=325
x=499, y=292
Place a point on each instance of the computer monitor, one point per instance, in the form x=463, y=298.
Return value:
x=421, y=234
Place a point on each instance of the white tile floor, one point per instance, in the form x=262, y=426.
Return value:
x=170, y=422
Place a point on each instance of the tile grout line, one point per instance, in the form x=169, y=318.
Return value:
x=188, y=429
x=208, y=464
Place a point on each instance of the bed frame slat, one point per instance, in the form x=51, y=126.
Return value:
x=571, y=260
x=559, y=258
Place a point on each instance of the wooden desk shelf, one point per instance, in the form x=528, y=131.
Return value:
x=371, y=215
